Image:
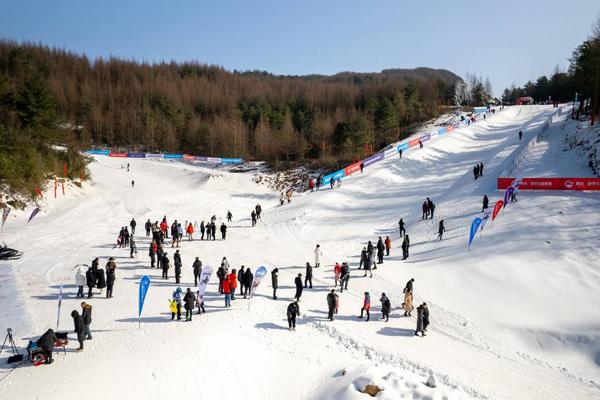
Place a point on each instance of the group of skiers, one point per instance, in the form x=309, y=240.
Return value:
x=478, y=170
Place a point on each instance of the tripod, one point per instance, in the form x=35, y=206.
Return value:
x=11, y=343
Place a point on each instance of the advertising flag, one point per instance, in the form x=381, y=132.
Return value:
x=497, y=209
x=33, y=214
x=484, y=220
x=507, y=194
x=144, y=285
x=258, y=276
x=204, y=279
x=5, y=213
x=60, y=296
x=474, y=227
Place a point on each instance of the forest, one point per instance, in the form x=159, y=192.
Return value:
x=206, y=110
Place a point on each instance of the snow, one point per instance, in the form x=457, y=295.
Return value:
x=514, y=317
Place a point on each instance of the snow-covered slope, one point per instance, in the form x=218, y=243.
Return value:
x=515, y=317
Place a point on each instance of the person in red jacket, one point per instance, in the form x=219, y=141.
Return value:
x=366, y=306
x=233, y=283
x=227, y=291
x=311, y=184
x=388, y=245
x=190, y=231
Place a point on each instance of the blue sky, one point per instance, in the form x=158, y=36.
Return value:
x=509, y=41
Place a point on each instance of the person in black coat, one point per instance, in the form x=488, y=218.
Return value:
x=90, y=280
x=345, y=276
x=331, y=303
x=409, y=286
x=386, y=306
x=46, y=344
x=401, y=227
x=380, y=249
x=223, y=231
x=431, y=207
x=405, y=246
x=293, y=311
x=178, y=264
x=308, y=276
x=213, y=230
x=486, y=203
x=299, y=287
x=221, y=277
x=197, y=267
x=110, y=282
x=441, y=229
x=363, y=258
x=164, y=263
x=425, y=316
x=248, y=279
x=189, y=301
x=148, y=226
x=240, y=278
x=275, y=283
x=79, y=328
x=100, y=280
x=86, y=314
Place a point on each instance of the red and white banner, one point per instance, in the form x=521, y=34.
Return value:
x=120, y=155
x=552, y=183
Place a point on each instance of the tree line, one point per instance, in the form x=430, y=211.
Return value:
x=206, y=110
x=582, y=77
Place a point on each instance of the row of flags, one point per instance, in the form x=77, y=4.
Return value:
x=6, y=212
x=479, y=222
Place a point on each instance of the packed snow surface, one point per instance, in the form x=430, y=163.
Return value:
x=516, y=317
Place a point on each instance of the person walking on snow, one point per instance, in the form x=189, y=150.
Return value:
x=475, y=172
x=308, y=276
x=425, y=316
x=368, y=266
x=148, y=226
x=486, y=202
x=401, y=227
x=241, y=275
x=177, y=299
x=332, y=300
x=293, y=311
x=248, y=279
x=227, y=291
x=178, y=264
x=366, y=306
x=202, y=229
x=132, y=224
x=318, y=255
x=363, y=258
x=253, y=216
x=441, y=229
x=388, y=245
x=79, y=329
x=299, y=287
x=164, y=264
x=520, y=135
x=385, y=307
x=86, y=315
x=380, y=249
x=229, y=216
x=344, y=277
x=132, y=247
x=405, y=246
x=190, y=232
x=425, y=210
x=275, y=282
x=221, y=276
x=80, y=280
x=409, y=286
x=233, y=283
x=189, y=300
x=152, y=253
x=480, y=169
x=197, y=268
x=408, y=304
x=337, y=271
x=431, y=207
x=419, y=321
x=223, y=231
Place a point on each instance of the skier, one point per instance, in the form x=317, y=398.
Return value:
x=299, y=287
x=388, y=245
x=80, y=280
x=79, y=329
x=189, y=301
x=331, y=183
x=485, y=203
x=380, y=249
x=331, y=303
x=363, y=258
x=132, y=224
x=86, y=315
x=308, y=276
x=223, y=231
x=177, y=299
x=419, y=322
x=400, y=153
x=178, y=264
x=258, y=211
x=132, y=183
x=229, y=216
x=253, y=216
x=164, y=264
x=405, y=246
x=366, y=306
x=148, y=226
x=385, y=307
x=197, y=267
x=520, y=135
x=441, y=229
x=420, y=144
x=318, y=255
x=293, y=311
x=275, y=282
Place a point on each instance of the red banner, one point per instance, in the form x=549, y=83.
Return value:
x=351, y=169
x=497, y=209
x=553, y=183
x=122, y=155
x=413, y=143
x=188, y=157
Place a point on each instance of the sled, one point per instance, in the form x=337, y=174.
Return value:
x=6, y=253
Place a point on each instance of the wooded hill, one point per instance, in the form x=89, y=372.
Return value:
x=206, y=110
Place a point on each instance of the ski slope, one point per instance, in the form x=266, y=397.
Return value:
x=514, y=317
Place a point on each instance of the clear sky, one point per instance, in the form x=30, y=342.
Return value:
x=509, y=41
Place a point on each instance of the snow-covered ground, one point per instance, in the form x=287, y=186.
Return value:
x=516, y=317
